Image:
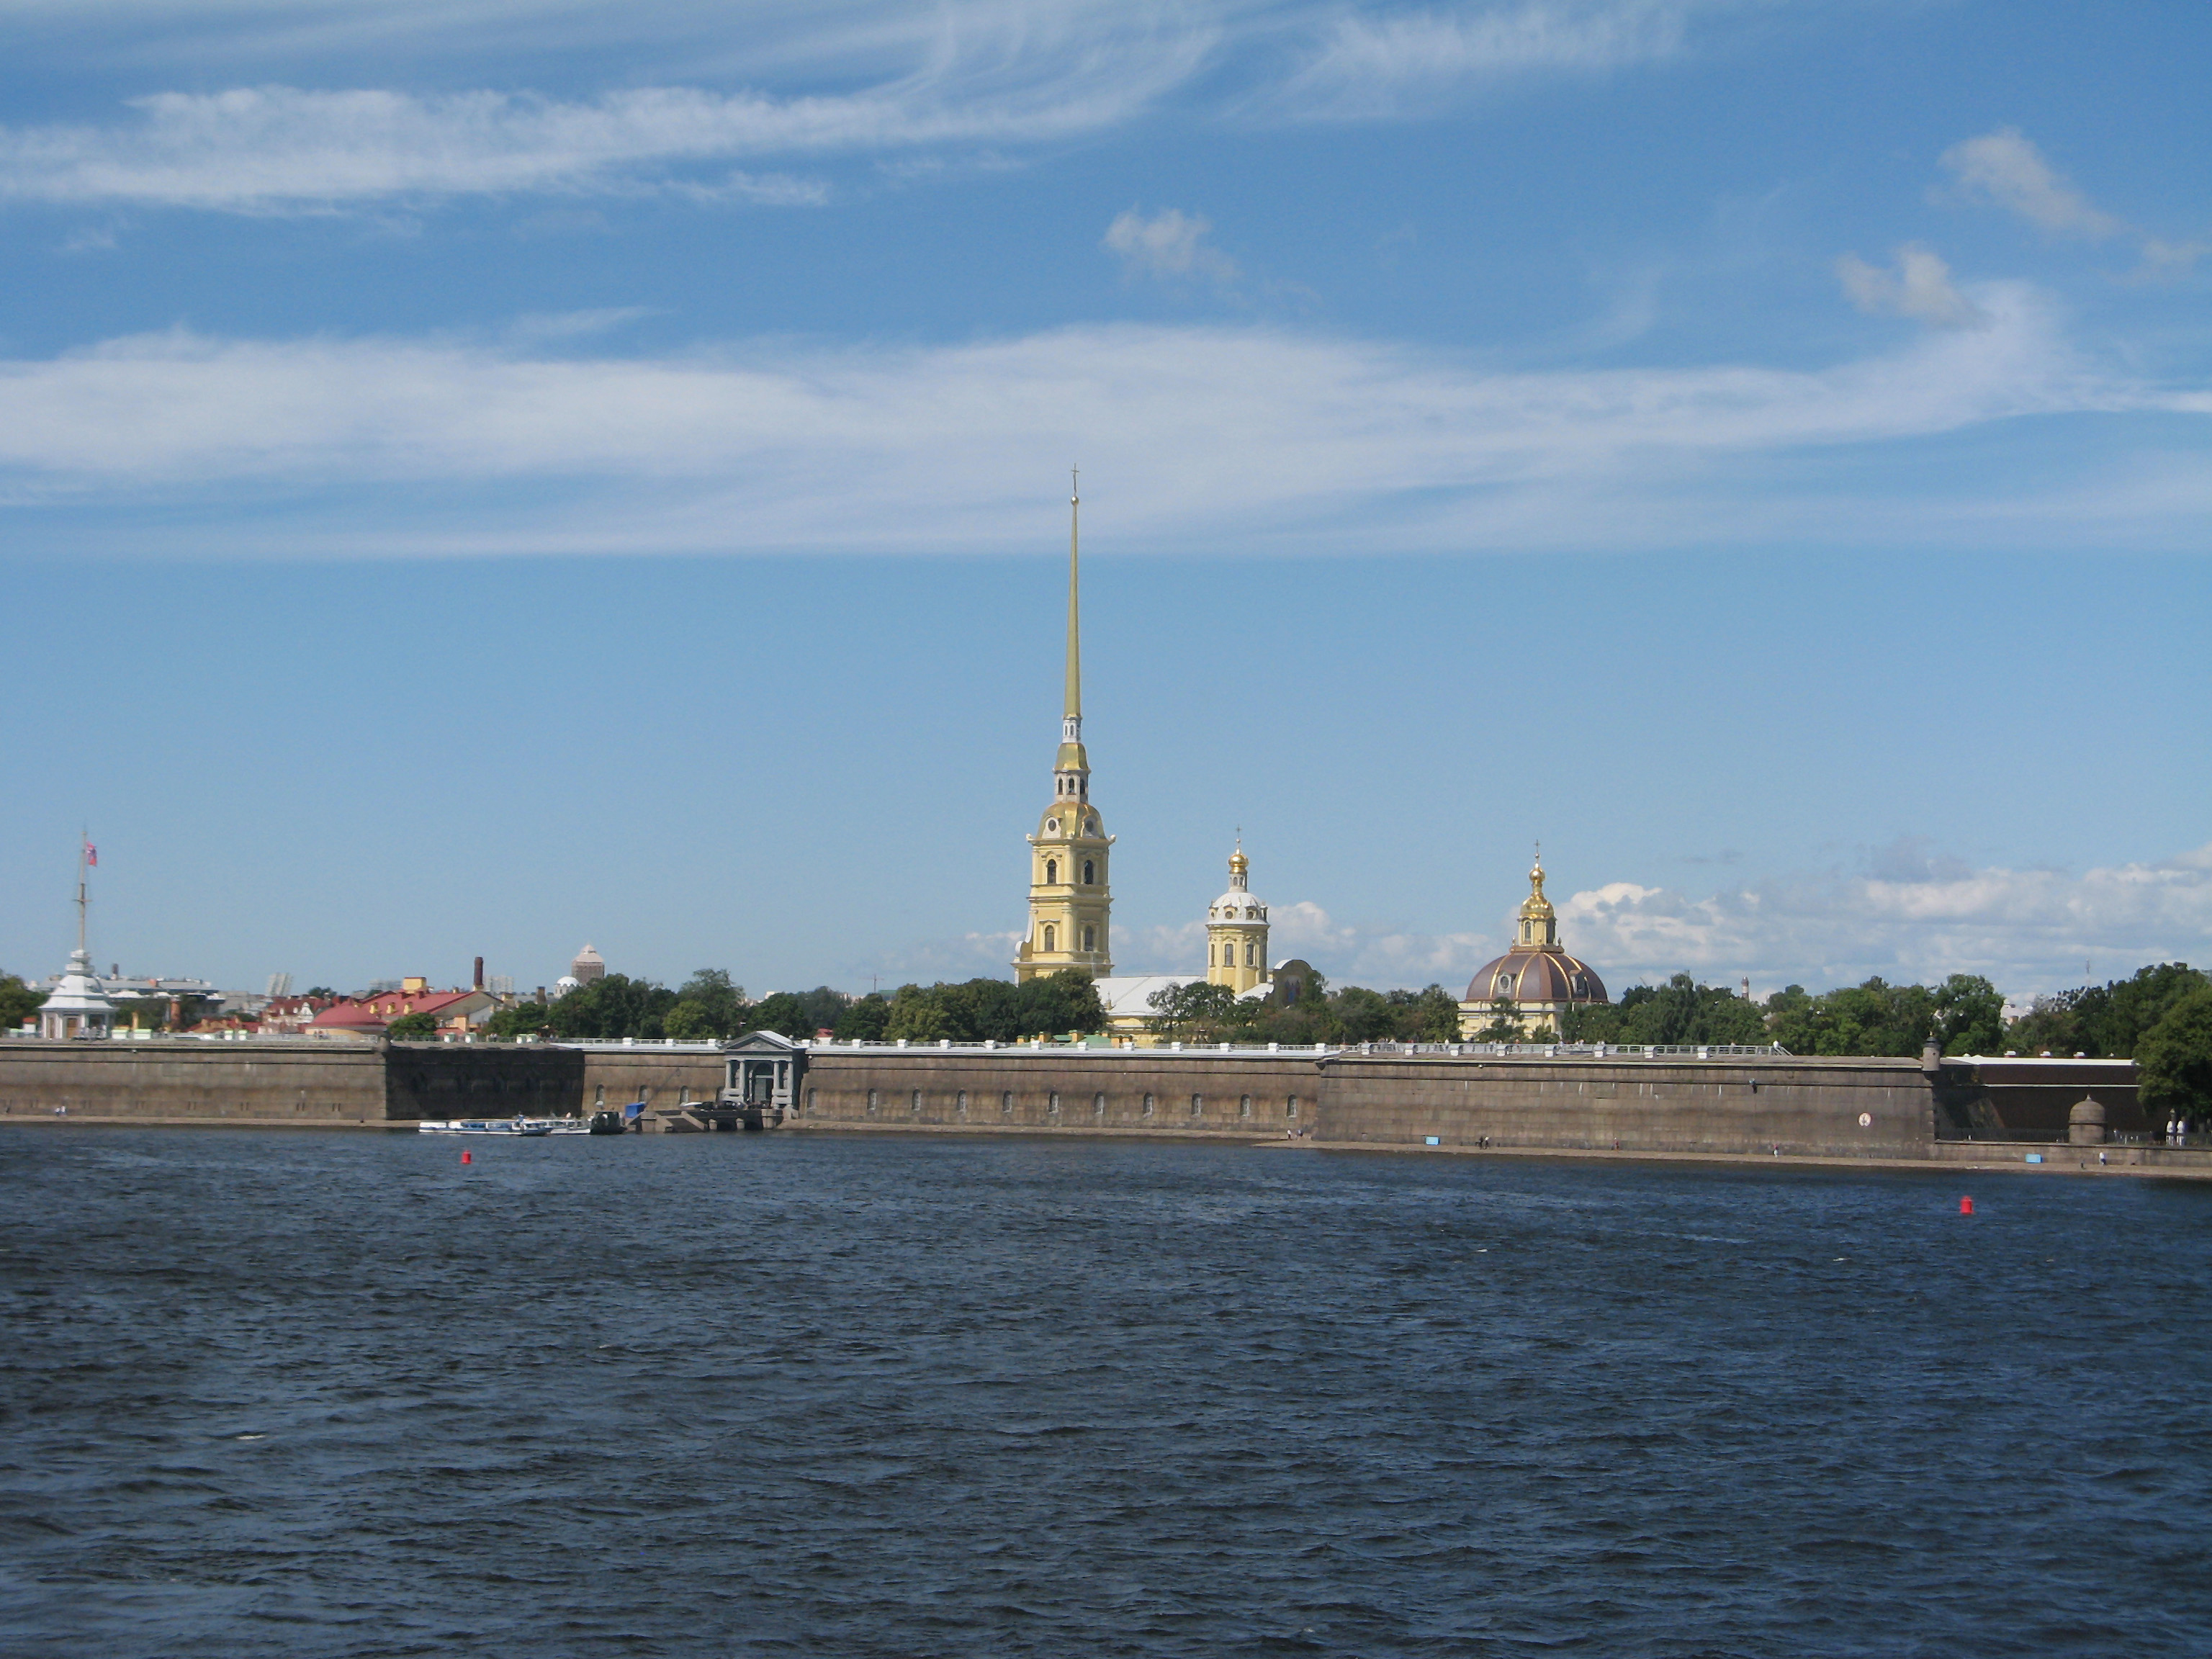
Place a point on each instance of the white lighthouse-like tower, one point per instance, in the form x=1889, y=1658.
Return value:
x=79, y=1007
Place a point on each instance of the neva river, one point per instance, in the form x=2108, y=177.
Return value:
x=311, y=1394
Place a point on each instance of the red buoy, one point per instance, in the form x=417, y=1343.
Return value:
x=1966, y=1205
x=468, y=1157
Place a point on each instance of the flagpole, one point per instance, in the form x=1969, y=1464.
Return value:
x=84, y=841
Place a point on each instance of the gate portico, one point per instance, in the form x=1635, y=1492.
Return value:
x=760, y=1078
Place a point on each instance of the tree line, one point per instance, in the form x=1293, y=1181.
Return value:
x=2161, y=1017
x=1201, y=1012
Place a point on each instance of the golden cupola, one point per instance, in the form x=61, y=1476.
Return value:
x=1539, y=923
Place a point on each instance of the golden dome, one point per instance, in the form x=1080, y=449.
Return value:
x=1536, y=906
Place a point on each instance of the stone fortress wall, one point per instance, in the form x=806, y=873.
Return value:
x=1380, y=1098
x=306, y=1081
x=1389, y=1098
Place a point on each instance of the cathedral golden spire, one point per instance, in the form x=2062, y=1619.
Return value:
x=1070, y=900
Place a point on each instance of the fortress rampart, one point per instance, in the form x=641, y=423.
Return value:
x=307, y=1081
x=1400, y=1098
x=1449, y=1097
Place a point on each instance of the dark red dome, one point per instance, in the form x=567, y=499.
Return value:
x=1536, y=977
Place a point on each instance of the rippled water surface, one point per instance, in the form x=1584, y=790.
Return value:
x=303, y=1394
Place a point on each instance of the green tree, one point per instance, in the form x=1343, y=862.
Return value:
x=1066, y=1001
x=1195, y=1012
x=412, y=1028
x=689, y=1022
x=2174, y=1061
x=864, y=1018
x=2048, y=1027
x=523, y=1019
x=610, y=1008
x=1592, y=1022
x=2114, y=1017
x=918, y=1015
x=716, y=1007
x=782, y=1012
x=1969, y=1015
x=1428, y=1015
x=1362, y=1015
x=821, y=1008
x=18, y=1002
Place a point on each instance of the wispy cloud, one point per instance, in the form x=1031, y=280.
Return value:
x=2004, y=167
x=1365, y=66
x=1168, y=245
x=278, y=149
x=962, y=75
x=1286, y=439
x=1921, y=287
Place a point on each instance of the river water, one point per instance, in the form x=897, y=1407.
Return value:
x=317, y=1393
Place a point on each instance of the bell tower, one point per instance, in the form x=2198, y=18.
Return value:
x=1069, y=898
x=1236, y=930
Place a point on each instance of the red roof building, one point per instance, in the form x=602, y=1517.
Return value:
x=370, y=1016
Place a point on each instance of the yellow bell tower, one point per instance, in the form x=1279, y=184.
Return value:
x=1236, y=930
x=1069, y=899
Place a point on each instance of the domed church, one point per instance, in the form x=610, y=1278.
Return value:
x=1536, y=980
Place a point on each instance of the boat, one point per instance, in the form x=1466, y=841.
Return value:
x=533, y=1127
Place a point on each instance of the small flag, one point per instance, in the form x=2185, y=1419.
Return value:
x=91, y=854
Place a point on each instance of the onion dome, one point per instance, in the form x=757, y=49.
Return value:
x=1238, y=903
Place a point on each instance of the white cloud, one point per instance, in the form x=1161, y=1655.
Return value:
x=704, y=91
x=1168, y=245
x=1921, y=287
x=976, y=76
x=280, y=148
x=2007, y=169
x=1905, y=916
x=1227, y=437
x=1365, y=66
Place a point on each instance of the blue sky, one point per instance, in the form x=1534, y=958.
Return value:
x=476, y=477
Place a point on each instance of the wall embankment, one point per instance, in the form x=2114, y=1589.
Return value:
x=1241, y=1094
x=309, y=1081
x=1846, y=1107
x=1775, y=1105
x=659, y=1077
x=1838, y=1108
x=157, y=1081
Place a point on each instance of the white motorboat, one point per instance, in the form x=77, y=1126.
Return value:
x=504, y=1125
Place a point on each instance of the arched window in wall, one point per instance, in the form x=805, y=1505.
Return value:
x=1051, y=876
x=1091, y=938
x=1089, y=874
x=1049, y=936
x=1252, y=953
x=1228, y=956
